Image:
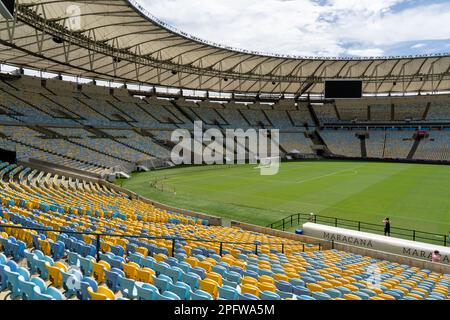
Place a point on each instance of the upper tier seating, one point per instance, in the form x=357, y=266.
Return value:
x=398, y=144
x=409, y=111
x=352, y=112
x=439, y=111
x=296, y=143
x=375, y=144
x=380, y=112
x=326, y=113
x=436, y=147
x=68, y=108
x=342, y=142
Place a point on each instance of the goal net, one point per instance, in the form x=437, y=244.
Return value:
x=268, y=162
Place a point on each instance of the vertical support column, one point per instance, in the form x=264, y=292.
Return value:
x=98, y=247
x=174, y=242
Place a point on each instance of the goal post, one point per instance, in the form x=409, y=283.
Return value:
x=268, y=162
x=269, y=166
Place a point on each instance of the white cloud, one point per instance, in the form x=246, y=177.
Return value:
x=307, y=27
x=418, y=46
x=370, y=52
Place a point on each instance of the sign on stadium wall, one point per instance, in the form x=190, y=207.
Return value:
x=371, y=241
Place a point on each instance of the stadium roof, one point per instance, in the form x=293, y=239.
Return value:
x=119, y=40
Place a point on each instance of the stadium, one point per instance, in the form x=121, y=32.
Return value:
x=109, y=191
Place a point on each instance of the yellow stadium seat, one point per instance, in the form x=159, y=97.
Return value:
x=160, y=257
x=209, y=286
x=335, y=282
x=375, y=289
x=410, y=283
x=211, y=261
x=376, y=298
x=292, y=275
x=205, y=265
x=239, y=263
x=130, y=269
x=442, y=290
x=314, y=287
x=54, y=273
x=98, y=270
x=101, y=294
x=351, y=287
x=279, y=276
x=344, y=281
x=248, y=288
x=249, y=280
x=425, y=292
x=265, y=286
x=325, y=284
x=387, y=285
x=413, y=295
x=328, y=277
x=214, y=276
x=386, y=296
x=142, y=250
x=266, y=279
x=105, y=247
x=87, y=239
x=192, y=261
x=45, y=247
x=350, y=296
x=145, y=275
x=402, y=289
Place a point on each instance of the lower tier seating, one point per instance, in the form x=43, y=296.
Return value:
x=172, y=257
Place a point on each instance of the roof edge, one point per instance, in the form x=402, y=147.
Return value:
x=155, y=20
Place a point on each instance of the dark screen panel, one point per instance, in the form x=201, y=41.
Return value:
x=7, y=156
x=343, y=89
x=7, y=9
x=9, y=4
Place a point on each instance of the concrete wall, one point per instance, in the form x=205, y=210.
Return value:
x=45, y=164
x=413, y=262
x=327, y=245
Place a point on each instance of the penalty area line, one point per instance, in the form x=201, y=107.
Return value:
x=330, y=174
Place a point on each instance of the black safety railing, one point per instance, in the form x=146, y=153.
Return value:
x=407, y=234
x=98, y=237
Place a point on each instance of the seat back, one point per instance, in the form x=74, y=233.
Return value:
x=228, y=293
x=201, y=295
x=162, y=282
x=55, y=276
x=146, y=291
x=127, y=287
x=209, y=286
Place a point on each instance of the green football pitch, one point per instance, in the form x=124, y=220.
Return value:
x=413, y=196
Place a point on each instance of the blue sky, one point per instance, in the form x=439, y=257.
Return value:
x=329, y=28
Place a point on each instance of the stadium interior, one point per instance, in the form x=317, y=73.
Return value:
x=68, y=233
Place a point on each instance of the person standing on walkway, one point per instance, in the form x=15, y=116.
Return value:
x=387, y=227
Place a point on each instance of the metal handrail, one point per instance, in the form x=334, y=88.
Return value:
x=173, y=239
x=415, y=235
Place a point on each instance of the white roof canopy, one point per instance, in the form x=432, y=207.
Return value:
x=115, y=40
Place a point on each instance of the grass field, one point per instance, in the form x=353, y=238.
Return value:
x=413, y=196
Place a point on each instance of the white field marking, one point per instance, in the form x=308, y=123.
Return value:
x=254, y=196
x=331, y=174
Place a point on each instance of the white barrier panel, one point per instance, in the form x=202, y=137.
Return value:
x=413, y=249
